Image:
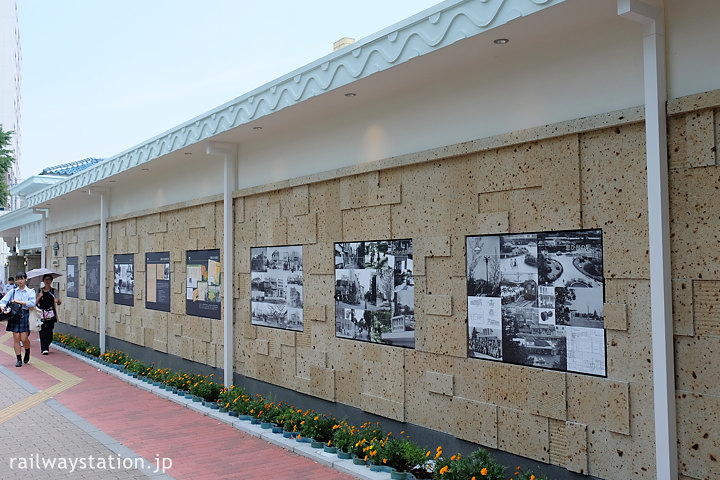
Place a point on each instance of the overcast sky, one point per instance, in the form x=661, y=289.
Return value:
x=99, y=77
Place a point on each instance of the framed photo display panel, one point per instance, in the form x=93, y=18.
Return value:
x=203, y=276
x=73, y=278
x=124, y=279
x=92, y=282
x=375, y=292
x=157, y=281
x=536, y=299
x=277, y=287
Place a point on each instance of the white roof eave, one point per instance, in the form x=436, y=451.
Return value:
x=436, y=27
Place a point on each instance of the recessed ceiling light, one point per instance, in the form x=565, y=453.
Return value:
x=501, y=41
x=257, y=128
x=351, y=94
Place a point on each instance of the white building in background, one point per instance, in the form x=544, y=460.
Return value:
x=10, y=94
x=10, y=83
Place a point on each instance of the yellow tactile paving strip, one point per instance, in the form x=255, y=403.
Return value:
x=65, y=379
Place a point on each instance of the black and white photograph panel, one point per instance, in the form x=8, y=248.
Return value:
x=353, y=323
x=377, y=255
x=571, y=259
x=259, y=261
x=546, y=305
x=287, y=258
x=350, y=255
x=579, y=307
x=485, y=328
x=365, y=289
x=269, y=314
x=527, y=342
x=124, y=281
x=518, y=258
x=484, y=272
x=586, y=350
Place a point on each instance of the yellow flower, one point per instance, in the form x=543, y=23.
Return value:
x=427, y=454
x=483, y=472
x=532, y=477
x=443, y=470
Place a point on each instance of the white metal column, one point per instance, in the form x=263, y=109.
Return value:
x=45, y=212
x=666, y=454
x=230, y=153
x=104, y=194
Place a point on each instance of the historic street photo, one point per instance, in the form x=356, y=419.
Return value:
x=375, y=292
x=124, y=279
x=571, y=259
x=277, y=287
x=484, y=328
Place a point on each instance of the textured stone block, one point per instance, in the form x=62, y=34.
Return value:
x=358, y=222
x=384, y=372
x=438, y=305
x=307, y=358
x=302, y=229
x=577, y=447
x=706, y=307
x=382, y=406
x=495, y=222
x=682, y=307
x=322, y=382
x=475, y=421
x=700, y=139
x=319, y=259
x=698, y=418
x=317, y=313
x=693, y=195
x=618, y=407
x=441, y=383
x=301, y=200
x=546, y=394
x=615, y=316
x=558, y=452
x=262, y=346
x=696, y=365
x=523, y=434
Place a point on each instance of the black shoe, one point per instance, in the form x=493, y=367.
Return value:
x=18, y=364
x=27, y=355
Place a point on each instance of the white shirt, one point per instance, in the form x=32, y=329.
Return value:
x=25, y=295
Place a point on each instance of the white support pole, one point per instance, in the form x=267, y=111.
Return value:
x=230, y=153
x=666, y=453
x=45, y=212
x=104, y=194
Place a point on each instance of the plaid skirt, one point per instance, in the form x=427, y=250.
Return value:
x=19, y=325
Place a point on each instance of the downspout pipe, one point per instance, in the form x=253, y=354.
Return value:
x=229, y=151
x=666, y=451
x=104, y=194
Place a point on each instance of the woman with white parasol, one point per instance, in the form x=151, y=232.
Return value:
x=46, y=300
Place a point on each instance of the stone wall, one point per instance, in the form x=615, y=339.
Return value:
x=578, y=178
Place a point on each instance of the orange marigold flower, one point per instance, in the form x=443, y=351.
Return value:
x=444, y=470
x=483, y=472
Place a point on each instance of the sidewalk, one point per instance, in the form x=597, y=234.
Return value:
x=70, y=409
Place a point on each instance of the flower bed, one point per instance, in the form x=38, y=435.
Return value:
x=367, y=444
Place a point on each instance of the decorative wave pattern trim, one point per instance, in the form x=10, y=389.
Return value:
x=421, y=34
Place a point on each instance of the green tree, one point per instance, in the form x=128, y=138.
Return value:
x=6, y=161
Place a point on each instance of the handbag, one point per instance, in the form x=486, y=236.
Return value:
x=46, y=315
x=15, y=310
x=35, y=319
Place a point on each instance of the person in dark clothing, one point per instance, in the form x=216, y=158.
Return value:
x=46, y=301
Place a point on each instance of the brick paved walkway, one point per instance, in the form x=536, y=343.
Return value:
x=94, y=413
